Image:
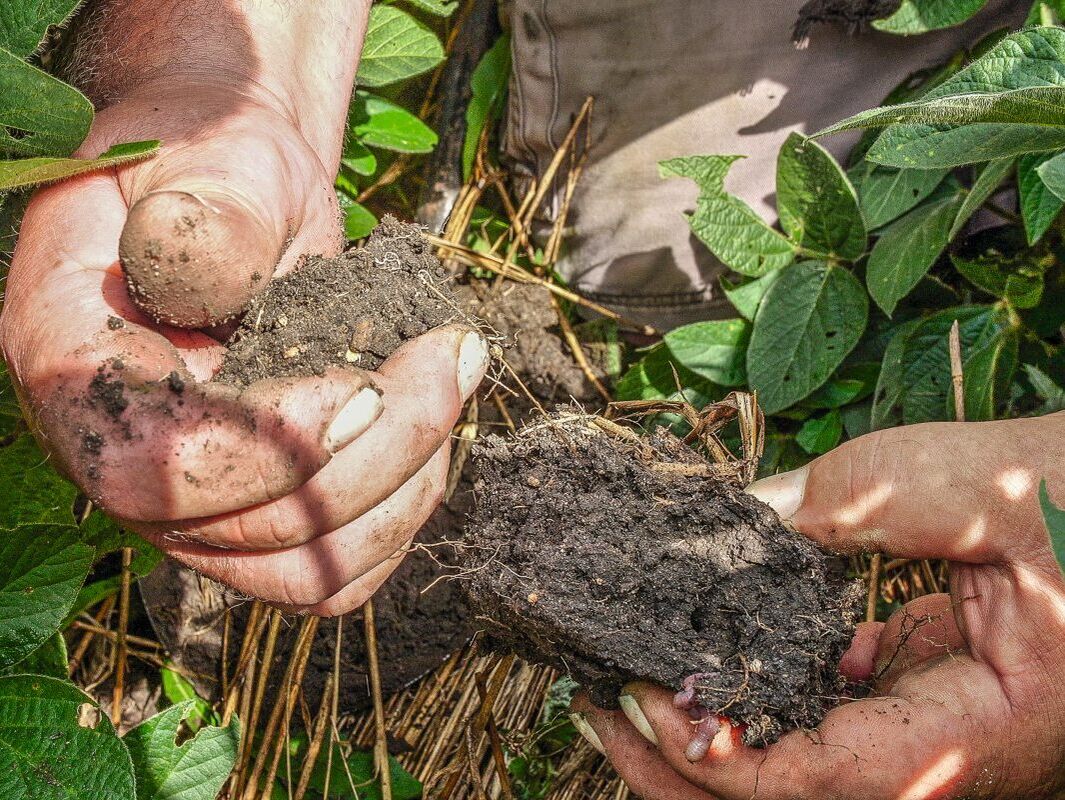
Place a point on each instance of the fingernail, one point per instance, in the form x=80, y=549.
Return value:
x=636, y=716
x=358, y=414
x=783, y=493
x=473, y=360
x=586, y=730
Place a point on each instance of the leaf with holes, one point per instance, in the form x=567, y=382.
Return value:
x=193, y=770
x=808, y=322
x=49, y=751
x=23, y=23
x=1039, y=205
x=817, y=205
x=377, y=122
x=34, y=171
x=886, y=193
x=397, y=47
x=50, y=117
x=42, y=567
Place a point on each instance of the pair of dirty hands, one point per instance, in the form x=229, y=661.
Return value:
x=305, y=492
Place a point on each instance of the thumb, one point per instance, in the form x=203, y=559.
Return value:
x=961, y=491
x=194, y=259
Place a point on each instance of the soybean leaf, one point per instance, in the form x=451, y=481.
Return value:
x=46, y=169
x=51, y=118
x=361, y=768
x=1054, y=518
x=920, y=16
x=817, y=205
x=909, y=246
x=714, y=350
x=42, y=567
x=890, y=385
x=747, y=296
x=1052, y=395
x=997, y=261
x=1046, y=12
x=107, y=536
x=49, y=659
x=820, y=434
x=926, y=360
x=886, y=193
x=488, y=87
x=809, y=320
x=986, y=184
x=397, y=47
x=656, y=376
x=850, y=384
x=359, y=221
x=727, y=225
x=1039, y=205
x=1052, y=173
x=378, y=122
x=193, y=770
x=23, y=23
x=30, y=490
x=358, y=157
x=46, y=753
x=439, y=8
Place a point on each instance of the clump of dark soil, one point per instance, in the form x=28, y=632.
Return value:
x=354, y=310
x=619, y=561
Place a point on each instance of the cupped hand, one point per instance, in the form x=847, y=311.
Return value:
x=303, y=492
x=968, y=699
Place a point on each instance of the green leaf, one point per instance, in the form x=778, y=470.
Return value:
x=193, y=770
x=1052, y=395
x=361, y=766
x=656, y=377
x=488, y=88
x=49, y=659
x=438, y=8
x=909, y=246
x=747, y=296
x=724, y=223
x=397, y=47
x=851, y=383
x=997, y=261
x=23, y=23
x=1052, y=173
x=714, y=350
x=358, y=220
x=921, y=16
x=1054, y=518
x=34, y=171
x=30, y=490
x=890, y=385
x=378, y=122
x=817, y=205
x=1046, y=12
x=358, y=157
x=51, y=118
x=107, y=536
x=988, y=372
x=887, y=193
x=926, y=376
x=46, y=754
x=986, y=184
x=810, y=319
x=820, y=434
x=1039, y=206
x=42, y=567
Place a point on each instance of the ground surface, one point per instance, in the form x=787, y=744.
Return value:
x=613, y=562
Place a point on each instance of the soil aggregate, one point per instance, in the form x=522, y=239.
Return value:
x=351, y=311
x=616, y=561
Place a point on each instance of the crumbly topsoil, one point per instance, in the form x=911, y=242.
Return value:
x=354, y=310
x=619, y=562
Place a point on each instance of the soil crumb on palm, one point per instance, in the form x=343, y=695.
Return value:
x=618, y=560
x=354, y=310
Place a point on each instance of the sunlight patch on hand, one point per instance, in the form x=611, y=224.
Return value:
x=937, y=777
x=1016, y=483
x=864, y=506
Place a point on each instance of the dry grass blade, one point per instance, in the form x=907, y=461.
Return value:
x=384, y=772
x=874, y=587
x=120, y=639
x=957, y=374
x=261, y=678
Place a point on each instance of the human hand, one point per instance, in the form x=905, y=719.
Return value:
x=968, y=699
x=300, y=491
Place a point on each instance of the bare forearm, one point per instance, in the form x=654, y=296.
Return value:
x=298, y=56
